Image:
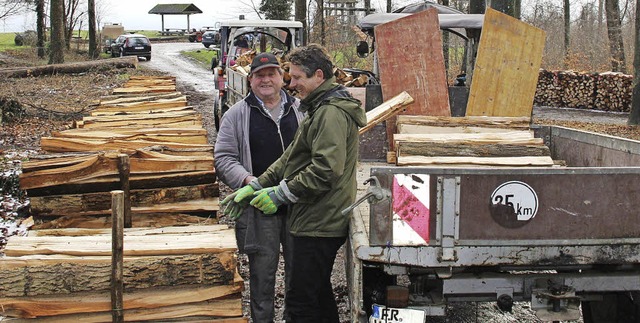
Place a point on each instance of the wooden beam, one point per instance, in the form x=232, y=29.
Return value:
x=117, y=246
x=386, y=110
x=545, y=161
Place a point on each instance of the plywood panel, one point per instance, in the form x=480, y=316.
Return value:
x=506, y=72
x=410, y=59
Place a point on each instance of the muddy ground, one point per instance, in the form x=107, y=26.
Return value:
x=34, y=107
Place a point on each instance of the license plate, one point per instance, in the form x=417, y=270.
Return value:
x=383, y=314
x=139, y=47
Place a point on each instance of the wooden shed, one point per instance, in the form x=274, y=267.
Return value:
x=187, y=9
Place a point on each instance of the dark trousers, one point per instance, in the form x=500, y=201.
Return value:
x=309, y=297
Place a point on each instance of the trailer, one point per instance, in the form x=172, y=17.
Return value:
x=565, y=237
x=559, y=237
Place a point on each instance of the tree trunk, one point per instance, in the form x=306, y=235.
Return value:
x=93, y=33
x=301, y=16
x=320, y=20
x=56, y=50
x=445, y=42
x=509, y=7
x=477, y=6
x=71, y=68
x=567, y=28
x=41, y=27
x=634, y=116
x=616, y=45
x=389, y=6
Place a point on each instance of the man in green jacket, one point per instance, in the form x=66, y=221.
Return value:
x=316, y=176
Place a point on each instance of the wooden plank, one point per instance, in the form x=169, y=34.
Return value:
x=216, y=297
x=168, y=244
x=137, y=231
x=424, y=129
x=144, y=89
x=474, y=161
x=136, y=181
x=53, y=144
x=507, y=65
x=60, y=274
x=478, y=121
x=512, y=137
x=138, y=220
x=107, y=164
x=434, y=149
x=413, y=61
x=124, y=98
x=100, y=202
x=386, y=110
x=90, y=168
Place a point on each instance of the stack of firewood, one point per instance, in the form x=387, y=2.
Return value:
x=464, y=141
x=604, y=91
x=172, y=273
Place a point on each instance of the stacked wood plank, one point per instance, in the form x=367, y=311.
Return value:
x=170, y=273
x=170, y=165
x=146, y=141
x=465, y=141
x=602, y=91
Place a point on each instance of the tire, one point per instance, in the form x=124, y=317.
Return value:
x=148, y=58
x=622, y=307
x=207, y=45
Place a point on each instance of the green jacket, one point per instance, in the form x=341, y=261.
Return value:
x=318, y=170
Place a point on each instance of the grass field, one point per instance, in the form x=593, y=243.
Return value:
x=203, y=56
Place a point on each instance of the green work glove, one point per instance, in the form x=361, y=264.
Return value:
x=269, y=199
x=237, y=201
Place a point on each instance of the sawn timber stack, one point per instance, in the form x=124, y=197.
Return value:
x=175, y=267
x=171, y=163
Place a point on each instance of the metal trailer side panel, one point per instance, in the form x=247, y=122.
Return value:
x=583, y=215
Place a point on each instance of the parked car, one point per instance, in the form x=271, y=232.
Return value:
x=210, y=37
x=131, y=45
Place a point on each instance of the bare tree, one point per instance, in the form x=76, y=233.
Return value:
x=56, y=50
x=72, y=16
x=10, y=8
x=300, y=14
x=634, y=116
x=41, y=25
x=567, y=28
x=510, y=7
x=616, y=44
x=93, y=34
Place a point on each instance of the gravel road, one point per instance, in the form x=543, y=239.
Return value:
x=196, y=81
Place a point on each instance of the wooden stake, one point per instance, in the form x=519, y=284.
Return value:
x=124, y=169
x=117, y=250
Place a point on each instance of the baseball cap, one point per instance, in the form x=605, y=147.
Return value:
x=264, y=60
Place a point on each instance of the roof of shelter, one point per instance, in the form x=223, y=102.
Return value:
x=175, y=9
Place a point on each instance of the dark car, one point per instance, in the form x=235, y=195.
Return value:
x=210, y=37
x=131, y=45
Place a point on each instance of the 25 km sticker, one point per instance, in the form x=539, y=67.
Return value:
x=513, y=204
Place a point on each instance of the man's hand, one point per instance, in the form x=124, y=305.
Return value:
x=268, y=199
x=237, y=201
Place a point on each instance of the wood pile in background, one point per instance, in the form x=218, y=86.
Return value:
x=171, y=169
x=64, y=275
x=465, y=141
x=601, y=91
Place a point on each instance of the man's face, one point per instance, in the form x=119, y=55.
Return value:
x=303, y=84
x=266, y=82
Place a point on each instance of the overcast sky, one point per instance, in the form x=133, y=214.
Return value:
x=133, y=14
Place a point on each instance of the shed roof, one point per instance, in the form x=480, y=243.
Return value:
x=175, y=9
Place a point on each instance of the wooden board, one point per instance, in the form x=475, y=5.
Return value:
x=410, y=59
x=146, y=245
x=223, y=301
x=465, y=161
x=507, y=67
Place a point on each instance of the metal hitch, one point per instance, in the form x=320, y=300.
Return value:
x=556, y=303
x=375, y=193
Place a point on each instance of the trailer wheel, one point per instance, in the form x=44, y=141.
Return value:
x=620, y=307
